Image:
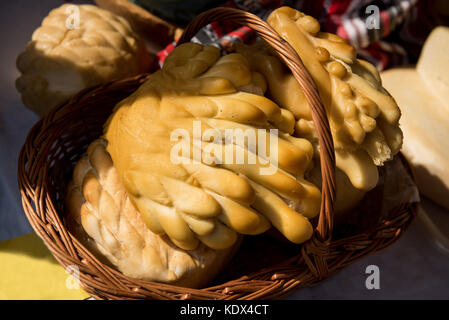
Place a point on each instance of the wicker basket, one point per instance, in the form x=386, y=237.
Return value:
x=57, y=141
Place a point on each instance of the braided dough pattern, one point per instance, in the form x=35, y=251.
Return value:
x=97, y=201
x=60, y=61
x=202, y=201
x=362, y=115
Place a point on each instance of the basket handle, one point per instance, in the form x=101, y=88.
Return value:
x=319, y=115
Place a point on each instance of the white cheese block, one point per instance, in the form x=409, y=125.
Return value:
x=433, y=64
x=423, y=96
x=425, y=124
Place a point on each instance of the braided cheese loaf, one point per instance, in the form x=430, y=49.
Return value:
x=362, y=115
x=99, y=205
x=77, y=47
x=206, y=198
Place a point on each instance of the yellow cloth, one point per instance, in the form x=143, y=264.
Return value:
x=29, y=271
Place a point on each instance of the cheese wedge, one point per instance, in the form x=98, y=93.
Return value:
x=423, y=96
x=433, y=65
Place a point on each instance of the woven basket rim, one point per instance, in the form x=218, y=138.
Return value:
x=320, y=257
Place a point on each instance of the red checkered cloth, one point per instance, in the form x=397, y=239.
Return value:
x=395, y=38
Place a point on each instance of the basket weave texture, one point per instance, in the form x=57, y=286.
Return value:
x=57, y=141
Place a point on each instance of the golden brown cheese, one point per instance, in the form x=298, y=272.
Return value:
x=210, y=201
x=362, y=115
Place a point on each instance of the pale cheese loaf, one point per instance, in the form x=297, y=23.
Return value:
x=102, y=216
x=77, y=46
x=423, y=95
